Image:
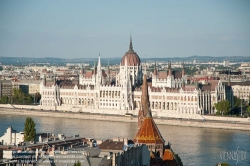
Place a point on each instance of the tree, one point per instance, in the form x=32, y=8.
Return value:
x=223, y=164
x=19, y=97
x=29, y=129
x=37, y=97
x=4, y=100
x=178, y=159
x=237, y=102
x=248, y=110
x=78, y=163
x=223, y=107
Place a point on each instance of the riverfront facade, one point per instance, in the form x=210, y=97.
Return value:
x=171, y=92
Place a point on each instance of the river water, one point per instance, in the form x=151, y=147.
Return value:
x=195, y=146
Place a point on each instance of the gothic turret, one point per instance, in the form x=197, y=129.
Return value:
x=155, y=70
x=95, y=68
x=148, y=133
x=169, y=69
x=196, y=84
x=99, y=72
x=55, y=80
x=183, y=84
x=44, y=80
x=183, y=69
x=130, y=44
x=82, y=69
x=108, y=69
x=145, y=105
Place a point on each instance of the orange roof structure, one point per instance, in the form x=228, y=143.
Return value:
x=149, y=133
x=168, y=155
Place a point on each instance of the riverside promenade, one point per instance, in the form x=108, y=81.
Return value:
x=228, y=123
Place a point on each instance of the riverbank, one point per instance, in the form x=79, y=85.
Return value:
x=133, y=119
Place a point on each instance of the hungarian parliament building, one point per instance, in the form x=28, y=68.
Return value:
x=170, y=92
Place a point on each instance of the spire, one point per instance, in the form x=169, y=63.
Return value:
x=130, y=45
x=99, y=62
x=155, y=70
x=169, y=65
x=95, y=67
x=82, y=68
x=145, y=106
x=183, y=69
x=44, y=80
x=108, y=68
x=169, y=68
x=196, y=84
x=183, y=84
x=55, y=80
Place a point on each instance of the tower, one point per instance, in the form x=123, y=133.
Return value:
x=109, y=76
x=55, y=80
x=44, y=80
x=183, y=69
x=95, y=68
x=82, y=69
x=145, y=106
x=183, y=84
x=170, y=76
x=155, y=70
x=99, y=72
x=169, y=69
x=148, y=133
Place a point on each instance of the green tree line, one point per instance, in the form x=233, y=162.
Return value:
x=224, y=107
x=19, y=97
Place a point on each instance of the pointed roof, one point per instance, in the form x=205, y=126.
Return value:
x=132, y=58
x=108, y=68
x=82, y=68
x=130, y=44
x=95, y=67
x=169, y=68
x=169, y=65
x=99, y=62
x=155, y=70
x=149, y=132
x=145, y=107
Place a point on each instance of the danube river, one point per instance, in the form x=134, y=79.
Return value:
x=195, y=146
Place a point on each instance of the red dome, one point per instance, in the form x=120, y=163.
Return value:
x=131, y=56
x=132, y=59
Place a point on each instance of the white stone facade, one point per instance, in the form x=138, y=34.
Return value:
x=11, y=137
x=167, y=96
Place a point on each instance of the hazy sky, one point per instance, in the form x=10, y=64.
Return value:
x=159, y=28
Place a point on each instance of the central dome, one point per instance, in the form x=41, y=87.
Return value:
x=131, y=56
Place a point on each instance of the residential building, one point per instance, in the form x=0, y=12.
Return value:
x=12, y=137
x=6, y=87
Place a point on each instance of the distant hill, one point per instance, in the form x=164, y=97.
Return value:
x=116, y=60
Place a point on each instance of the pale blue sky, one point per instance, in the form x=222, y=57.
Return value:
x=82, y=29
